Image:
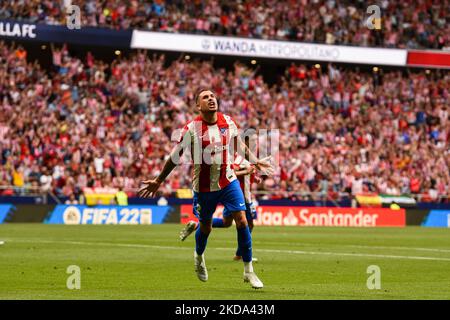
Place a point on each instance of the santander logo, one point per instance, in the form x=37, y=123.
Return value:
x=329, y=217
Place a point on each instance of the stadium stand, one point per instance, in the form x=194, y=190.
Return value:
x=88, y=123
x=404, y=24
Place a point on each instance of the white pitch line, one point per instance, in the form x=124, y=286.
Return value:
x=365, y=247
x=131, y=245
x=401, y=248
x=355, y=254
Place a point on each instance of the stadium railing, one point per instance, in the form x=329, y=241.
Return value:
x=29, y=191
x=9, y=190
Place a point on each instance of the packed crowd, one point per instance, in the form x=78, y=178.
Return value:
x=87, y=123
x=407, y=23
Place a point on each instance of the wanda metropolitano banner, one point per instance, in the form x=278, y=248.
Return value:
x=317, y=216
x=256, y=48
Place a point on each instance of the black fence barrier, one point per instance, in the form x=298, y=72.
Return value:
x=30, y=213
x=415, y=217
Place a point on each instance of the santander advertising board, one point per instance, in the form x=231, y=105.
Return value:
x=318, y=216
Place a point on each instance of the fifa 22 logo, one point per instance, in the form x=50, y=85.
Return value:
x=374, y=20
x=73, y=17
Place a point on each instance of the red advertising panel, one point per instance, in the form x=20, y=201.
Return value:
x=318, y=216
x=429, y=59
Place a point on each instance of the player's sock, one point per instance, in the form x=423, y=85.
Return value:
x=248, y=267
x=238, y=250
x=245, y=243
x=217, y=223
x=200, y=241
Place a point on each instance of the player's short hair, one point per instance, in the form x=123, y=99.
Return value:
x=199, y=91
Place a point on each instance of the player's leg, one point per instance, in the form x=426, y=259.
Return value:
x=201, y=238
x=250, y=224
x=245, y=246
x=188, y=228
x=191, y=226
x=233, y=200
x=225, y=222
x=244, y=236
x=250, y=214
x=204, y=206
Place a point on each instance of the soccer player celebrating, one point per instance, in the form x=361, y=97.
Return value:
x=245, y=173
x=212, y=138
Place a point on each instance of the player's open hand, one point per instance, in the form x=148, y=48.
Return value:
x=251, y=169
x=264, y=166
x=149, y=189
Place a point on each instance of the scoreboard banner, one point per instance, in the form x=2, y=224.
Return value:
x=317, y=216
x=81, y=214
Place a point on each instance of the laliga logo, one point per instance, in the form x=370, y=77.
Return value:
x=72, y=215
x=290, y=219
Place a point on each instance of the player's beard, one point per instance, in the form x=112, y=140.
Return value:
x=210, y=111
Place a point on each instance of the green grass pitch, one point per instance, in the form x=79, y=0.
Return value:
x=149, y=262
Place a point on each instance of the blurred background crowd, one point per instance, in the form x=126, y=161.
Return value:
x=90, y=123
x=404, y=24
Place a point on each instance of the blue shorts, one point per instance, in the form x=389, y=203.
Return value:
x=231, y=197
x=250, y=212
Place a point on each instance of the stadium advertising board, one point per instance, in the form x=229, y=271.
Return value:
x=4, y=211
x=380, y=200
x=438, y=218
x=255, y=48
x=104, y=196
x=17, y=29
x=61, y=34
x=429, y=59
x=318, y=216
x=80, y=214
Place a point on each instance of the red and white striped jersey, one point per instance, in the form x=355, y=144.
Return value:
x=210, y=146
x=246, y=180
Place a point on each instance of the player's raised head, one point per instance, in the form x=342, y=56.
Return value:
x=206, y=100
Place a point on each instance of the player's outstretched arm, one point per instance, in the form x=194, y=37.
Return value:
x=246, y=171
x=262, y=165
x=150, y=187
